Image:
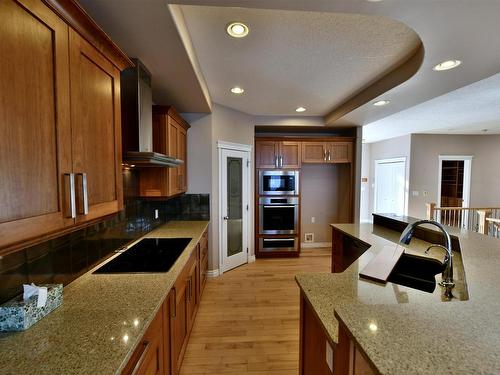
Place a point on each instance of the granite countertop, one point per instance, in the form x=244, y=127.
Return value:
x=101, y=320
x=406, y=331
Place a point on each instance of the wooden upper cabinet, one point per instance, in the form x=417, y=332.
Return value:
x=169, y=138
x=96, y=130
x=277, y=154
x=290, y=152
x=314, y=152
x=340, y=152
x=266, y=154
x=35, y=133
x=320, y=152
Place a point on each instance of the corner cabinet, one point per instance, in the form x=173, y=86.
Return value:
x=60, y=151
x=271, y=154
x=169, y=138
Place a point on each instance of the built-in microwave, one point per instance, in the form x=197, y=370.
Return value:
x=278, y=182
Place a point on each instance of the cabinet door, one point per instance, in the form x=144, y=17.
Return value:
x=182, y=154
x=290, y=154
x=340, y=152
x=35, y=144
x=167, y=331
x=95, y=129
x=178, y=324
x=173, y=150
x=148, y=357
x=314, y=152
x=191, y=293
x=266, y=154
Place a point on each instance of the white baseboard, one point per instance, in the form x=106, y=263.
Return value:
x=251, y=258
x=213, y=273
x=309, y=245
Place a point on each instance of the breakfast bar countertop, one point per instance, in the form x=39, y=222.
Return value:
x=101, y=320
x=406, y=331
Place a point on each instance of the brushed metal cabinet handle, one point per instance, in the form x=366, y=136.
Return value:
x=72, y=200
x=329, y=155
x=174, y=309
x=85, y=197
x=281, y=161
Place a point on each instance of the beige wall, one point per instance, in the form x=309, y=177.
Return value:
x=322, y=198
x=365, y=214
x=222, y=124
x=485, y=178
x=391, y=148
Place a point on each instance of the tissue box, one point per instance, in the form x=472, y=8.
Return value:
x=19, y=315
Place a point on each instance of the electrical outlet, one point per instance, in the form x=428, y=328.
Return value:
x=309, y=237
x=156, y=214
x=425, y=193
x=329, y=356
x=313, y=219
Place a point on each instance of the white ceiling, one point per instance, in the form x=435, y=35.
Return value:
x=148, y=29
x=294, y=58
x=474, y=109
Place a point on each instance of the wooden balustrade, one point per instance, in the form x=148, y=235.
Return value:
x=485, y=220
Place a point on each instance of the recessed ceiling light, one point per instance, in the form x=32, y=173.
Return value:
x=447, y=65
x=237, y=29
x=237, y=90
x=300, y=109
x=381, y=103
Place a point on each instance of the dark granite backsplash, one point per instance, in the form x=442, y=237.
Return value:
x=63, y=259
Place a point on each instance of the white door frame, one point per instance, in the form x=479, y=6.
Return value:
x=467, y=176
x=247, y=225
x=385, y=161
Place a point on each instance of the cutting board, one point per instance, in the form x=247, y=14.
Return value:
x=381, y=266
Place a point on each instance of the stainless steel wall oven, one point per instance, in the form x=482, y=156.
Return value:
x=278, y=215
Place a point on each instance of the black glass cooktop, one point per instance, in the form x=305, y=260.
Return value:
x=147, y=256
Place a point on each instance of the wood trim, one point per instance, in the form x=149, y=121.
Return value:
x=306, y=139
x=402, y=72
x=76, y=17
x=172, y=112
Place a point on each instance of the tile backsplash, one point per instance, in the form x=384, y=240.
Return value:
x=63, y=259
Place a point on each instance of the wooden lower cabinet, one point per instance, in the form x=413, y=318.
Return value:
x=313, y=343
x=162, y=348
x=149, y=356
x=320, y=356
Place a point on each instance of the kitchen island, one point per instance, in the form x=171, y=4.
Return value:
x=400, y=330
x=102, y=319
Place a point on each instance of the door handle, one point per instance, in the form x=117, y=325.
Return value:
x=72, y=201
x=226, y=218
x=85, y=195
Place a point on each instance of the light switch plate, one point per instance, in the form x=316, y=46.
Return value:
x=329, y=356
x=415, y=193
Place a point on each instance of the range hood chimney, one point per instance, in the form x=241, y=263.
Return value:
x=137, y=120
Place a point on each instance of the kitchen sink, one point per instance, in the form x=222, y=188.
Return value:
x=416, y=272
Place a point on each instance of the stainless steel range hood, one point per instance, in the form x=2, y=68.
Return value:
x=137, y=120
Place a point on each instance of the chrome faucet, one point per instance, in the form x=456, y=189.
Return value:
x=447, y=275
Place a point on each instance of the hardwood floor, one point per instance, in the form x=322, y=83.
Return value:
x=248, y=320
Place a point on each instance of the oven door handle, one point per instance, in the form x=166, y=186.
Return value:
x=279, y=206
x=277, y=239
